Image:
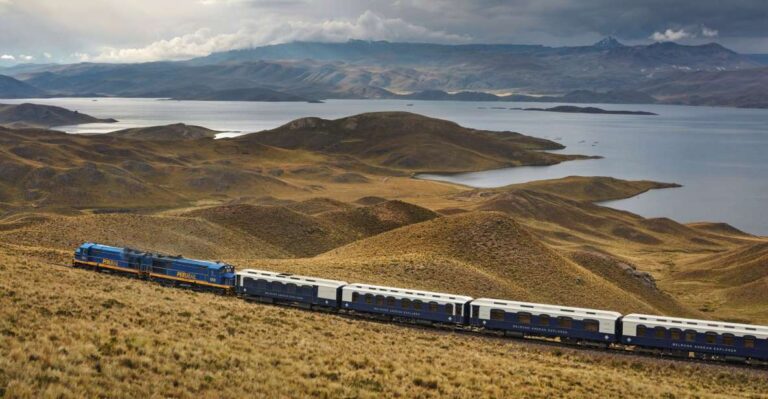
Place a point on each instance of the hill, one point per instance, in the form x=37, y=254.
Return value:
x=69, y=332
x=410, y=142
x=613, y=73
x=12, y=88
x=304, y=235
x=742, y=88
x=176, y=131
x=35, y=115
x=477, y=254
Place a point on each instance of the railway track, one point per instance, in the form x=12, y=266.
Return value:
x=520, y=339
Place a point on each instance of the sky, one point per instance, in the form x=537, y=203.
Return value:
x=64, y=31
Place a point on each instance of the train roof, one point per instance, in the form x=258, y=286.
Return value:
x=408, y=293
x=546, y=309
x=720, y=327
x=291, y=278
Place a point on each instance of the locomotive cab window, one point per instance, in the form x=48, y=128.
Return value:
x=591, y=325
x=497, y=314
x=565, y=322
x=524, y=318
x=690, y=336
x=749, y=342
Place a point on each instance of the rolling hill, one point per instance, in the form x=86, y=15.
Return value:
x=177, y=131
x=12, y=88
x=410, y=142
x=43, y=116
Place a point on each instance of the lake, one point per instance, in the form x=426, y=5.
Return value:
x=719, y=155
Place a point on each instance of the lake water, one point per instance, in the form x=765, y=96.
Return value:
x=719, y=155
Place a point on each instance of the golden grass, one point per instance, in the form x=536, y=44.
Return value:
x=117, y=337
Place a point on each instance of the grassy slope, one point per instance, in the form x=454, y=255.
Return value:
x=410, y=142
x=544, y=229
x=125, y=338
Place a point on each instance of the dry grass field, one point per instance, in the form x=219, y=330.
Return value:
x=74, y=333
x=333, y=206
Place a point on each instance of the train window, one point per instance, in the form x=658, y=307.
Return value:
x=660, y=332
x=391, y=301
x=640, y=332
x=690, y=336
x=290, y=288
x=379, y=300
x=448, y=308
x=565, y=322
x=497, y=314
x=368, y=298
x=749, y=342
x=728, y=339
x=355, y=297
x=711, y=338
x=543, y=319
x=591, y=325
x=524, y=318
x=433, y=306
x=417, y=304
x=405, y=303
x=675, y=334
x=458, y=310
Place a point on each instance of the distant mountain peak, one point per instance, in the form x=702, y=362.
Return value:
x=609, y=42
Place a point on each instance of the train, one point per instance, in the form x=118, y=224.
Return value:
x=661, y=335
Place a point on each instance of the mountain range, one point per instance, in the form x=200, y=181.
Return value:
x=307, y=71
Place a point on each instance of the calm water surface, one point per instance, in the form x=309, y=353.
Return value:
x=720, y=155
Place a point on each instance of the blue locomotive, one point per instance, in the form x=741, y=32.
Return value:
x=170, y=270
x=662, y=335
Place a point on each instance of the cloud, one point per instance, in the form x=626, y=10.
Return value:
x=706, y=32
x=26, y=57
x=671, y=35
x=368, y=26
x=7, y=57
x=47, y=55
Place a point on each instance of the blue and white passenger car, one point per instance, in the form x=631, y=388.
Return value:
x=405, y=303
x=282, y=287
x=535, y=319
x=678, y=335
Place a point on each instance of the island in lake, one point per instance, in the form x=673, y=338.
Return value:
x=585, y=110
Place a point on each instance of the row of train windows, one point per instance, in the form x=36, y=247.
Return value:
x=690, y=336
x=406, y=303
x=546, y=320
x=287, y=288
